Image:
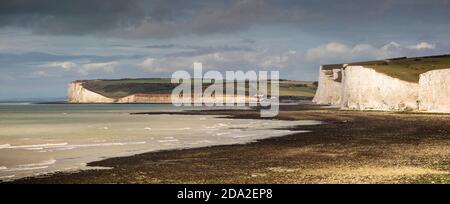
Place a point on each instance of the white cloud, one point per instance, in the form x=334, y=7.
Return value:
x=166, y=64
x=391, y=46
x=67, y=65
x=82, y=69
x=422, y=46
x=340, y=52
x=104, y=66
x=236, y=60
x=38, y=74
x=330, y=50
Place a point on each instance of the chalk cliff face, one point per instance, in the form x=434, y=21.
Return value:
x=362, y=88
x=434, y=91
x=78, y=94
x=146, y=98
x=328, y=91
x=365, y=89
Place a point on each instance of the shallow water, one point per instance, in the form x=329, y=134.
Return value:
x=37, y=139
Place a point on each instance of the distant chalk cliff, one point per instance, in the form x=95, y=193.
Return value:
x=159, y=90
x=78, y=93
x=134, y=91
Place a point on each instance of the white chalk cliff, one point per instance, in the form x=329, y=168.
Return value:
x=434, y=93
x=327, y=90
x=77, y=93
x=362, y=88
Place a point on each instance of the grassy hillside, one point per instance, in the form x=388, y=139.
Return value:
x=124, y=87
x=297, y=88
x=407, y=69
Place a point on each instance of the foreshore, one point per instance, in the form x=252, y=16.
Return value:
x=350, y=147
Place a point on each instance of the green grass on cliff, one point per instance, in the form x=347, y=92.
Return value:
x=125, y=87
x=406, y=69
x=119, y=88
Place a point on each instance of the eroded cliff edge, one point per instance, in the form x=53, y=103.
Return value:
x=380, y=85
x=78, y=93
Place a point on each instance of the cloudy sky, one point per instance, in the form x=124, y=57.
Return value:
x=44, y=44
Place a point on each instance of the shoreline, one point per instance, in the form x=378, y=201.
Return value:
x=345, y=142
x=278, y=129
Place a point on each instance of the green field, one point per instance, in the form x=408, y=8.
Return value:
x=119, y=88
x=297, y=88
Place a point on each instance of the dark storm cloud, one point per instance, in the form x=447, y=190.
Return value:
x=161, y=46
x=169, y=18
x=248, y=41
x=79, y=17
x=69, y=17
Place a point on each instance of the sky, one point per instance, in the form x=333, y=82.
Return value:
x=45, y=44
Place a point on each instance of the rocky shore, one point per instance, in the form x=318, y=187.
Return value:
x=351, y=147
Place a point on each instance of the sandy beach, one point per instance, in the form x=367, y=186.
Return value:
x=350, y=147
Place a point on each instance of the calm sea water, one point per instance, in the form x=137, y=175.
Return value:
x=37, y=139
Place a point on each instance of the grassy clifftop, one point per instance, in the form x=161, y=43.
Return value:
x=407, y=69
x=119, y=88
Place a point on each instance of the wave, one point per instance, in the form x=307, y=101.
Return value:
x=3, y=146
x=7, y=177
x=164, y=141
x=105, y=144
x=32, y=147
x=26, y=168
x=169, y=129
x=222, y=133
x=42, y=163
x=219, y=125
x=201, y=142
x=244, y=136
x=65, y=145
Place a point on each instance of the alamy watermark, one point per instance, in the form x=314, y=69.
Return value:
x=238, y=88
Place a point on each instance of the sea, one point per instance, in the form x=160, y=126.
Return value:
x=39, y=139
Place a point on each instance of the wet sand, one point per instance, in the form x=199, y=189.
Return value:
x=351, y=147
